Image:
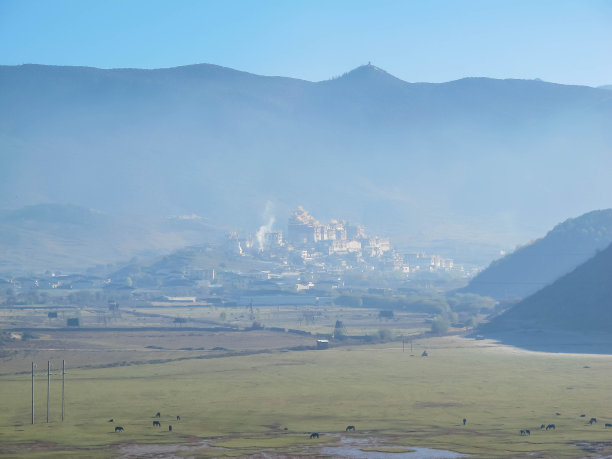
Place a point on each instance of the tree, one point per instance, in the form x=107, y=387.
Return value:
x=384, y=334
x=339, y=331
x=439, y=325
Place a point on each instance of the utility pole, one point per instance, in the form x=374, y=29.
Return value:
x=32, y=392
x=63, y=377
x=48, y=387
x=403, y=343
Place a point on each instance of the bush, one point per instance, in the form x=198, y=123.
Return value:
x=384, y=334
x=471, y=302
x=439, y=325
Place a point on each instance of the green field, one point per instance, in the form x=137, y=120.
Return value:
x=241, y=405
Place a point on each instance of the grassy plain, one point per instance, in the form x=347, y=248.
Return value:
x=241, y=405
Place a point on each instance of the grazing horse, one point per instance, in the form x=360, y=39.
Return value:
x=522, y=432
x=543, y=426
x=582, y=415
x=118, y=429
x=592, y=420
x=314, y=435
x=464, y=421
x=608, y=425
x=350, y=428
x=156, y=424
x=528, y=432
x=550, y=427
x=111, y=420
x=178, y=418
x=158, y=414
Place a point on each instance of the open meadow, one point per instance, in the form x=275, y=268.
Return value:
x=270, y=403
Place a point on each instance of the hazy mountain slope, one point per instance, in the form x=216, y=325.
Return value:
x=580, y=301
x=476, y=160
x=71, y=238
x=533, y=266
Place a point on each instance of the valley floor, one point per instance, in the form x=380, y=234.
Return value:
x=268, y=404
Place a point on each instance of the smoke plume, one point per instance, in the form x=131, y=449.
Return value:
x=266, y=228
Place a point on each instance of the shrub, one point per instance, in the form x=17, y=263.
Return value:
x=439, y=325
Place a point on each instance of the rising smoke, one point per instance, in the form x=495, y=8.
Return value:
x=266, y=228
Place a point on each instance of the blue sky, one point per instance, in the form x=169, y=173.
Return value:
x=562, y=41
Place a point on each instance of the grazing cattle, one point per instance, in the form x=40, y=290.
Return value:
x=156, y=424
x=464, y=421
x=550, y=427
x=592, y=420
x=608, y=425
x=314, y=435
x=118, y=429
x=158, y=414
x=350, y=428
x=543, y=426
x=169, y=428
x=178, y=418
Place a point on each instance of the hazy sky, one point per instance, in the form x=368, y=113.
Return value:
x=561, y=41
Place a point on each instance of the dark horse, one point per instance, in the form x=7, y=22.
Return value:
x=550, y=427
x=592, y=420
x=543, y=426
x=608, y=425
x=350, y=428
x=178, y=418
x=156, y=424
x=464, y=421
x=158, y=414
x=118, y=429
x=314, y=435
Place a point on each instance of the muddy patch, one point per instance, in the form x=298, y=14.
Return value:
x=333, y=445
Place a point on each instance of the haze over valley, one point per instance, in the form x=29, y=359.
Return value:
x=470, y=167
x=347, y=229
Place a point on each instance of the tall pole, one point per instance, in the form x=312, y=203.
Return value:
x=63, y=373
x=32, y=392
x=48, y=387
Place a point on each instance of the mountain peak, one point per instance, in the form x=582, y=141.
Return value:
x=368, y=73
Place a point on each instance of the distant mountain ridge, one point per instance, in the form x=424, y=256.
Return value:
x=70, y=238
x=475, y=161
x=533, y=266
